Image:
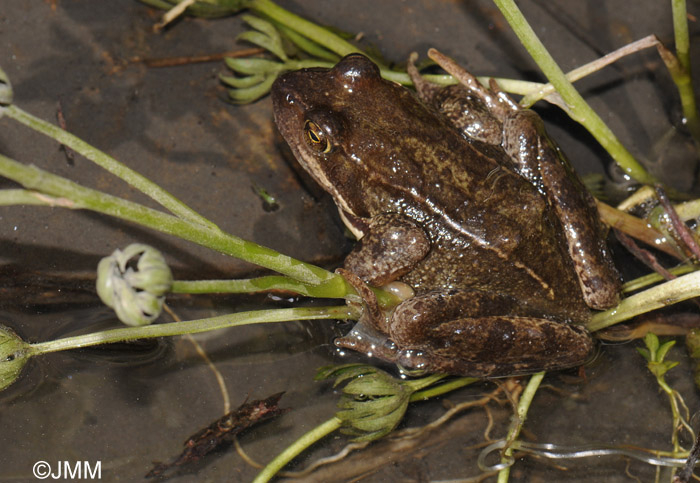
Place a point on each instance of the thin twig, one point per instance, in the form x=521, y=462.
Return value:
x=194, y=59
x=645, y=256
x=70, y=154
x=681, y=229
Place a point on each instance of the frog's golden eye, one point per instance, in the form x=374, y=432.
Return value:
x=316, y=137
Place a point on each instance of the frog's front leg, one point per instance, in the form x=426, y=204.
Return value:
x=482, y=334
x=392, y=246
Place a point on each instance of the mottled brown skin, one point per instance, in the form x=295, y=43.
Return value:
x=496, y=291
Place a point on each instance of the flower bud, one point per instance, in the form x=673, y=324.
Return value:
x=5, y=91
x=134, y=282
x=13, y=356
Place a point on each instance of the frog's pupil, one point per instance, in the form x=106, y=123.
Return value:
x=315, y=137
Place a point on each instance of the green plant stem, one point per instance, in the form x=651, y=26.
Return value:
x=676, y=416
x=296, y=448
x=678, y=422
x=449, y=386
x=81, y=197
x=652, y=278
x=110, y=164
x=423, y=382
x=671, y=292
x=683, y=80
x=250, y=285
x=688, y=210
x=589, y=68
x=523, y=407
x=265, y=284
x=192, y=327
x=579, y=109
x=310, y=30
x=333, y=424
x=680, y=32
x=9, y=197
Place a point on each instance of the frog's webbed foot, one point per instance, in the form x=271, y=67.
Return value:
x=426, y=90
x=369, y=333
x=498, y=102
x=372, y=314
x=470, y=107
x=365, y=339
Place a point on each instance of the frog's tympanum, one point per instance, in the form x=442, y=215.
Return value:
x=461, y=196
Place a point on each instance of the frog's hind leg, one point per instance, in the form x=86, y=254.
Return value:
x=482, y=334
x=537, y=158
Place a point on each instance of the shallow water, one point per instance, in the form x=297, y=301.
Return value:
x=126, y=406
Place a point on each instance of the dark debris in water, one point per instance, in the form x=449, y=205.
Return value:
x=221, y=432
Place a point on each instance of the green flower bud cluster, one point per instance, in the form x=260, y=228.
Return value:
x=6, y=93
x=134, y=282
x=373, y=401
x=13, y=356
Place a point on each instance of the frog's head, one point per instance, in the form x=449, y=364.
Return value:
x=345, y=126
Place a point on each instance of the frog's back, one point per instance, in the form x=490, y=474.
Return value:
x=489, y=228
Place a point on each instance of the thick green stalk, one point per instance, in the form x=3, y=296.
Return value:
x=9, y=197
x=191, y=327
x=449, y=386
x=683, y=79
x=296, y=448
x=310, y=30
x=680, y=32
x=523, y=407
x=423, y=382
x=251, y=285
x=579, y=109
x=671, y=292
x=274, y=283
x=107, y=162
x=32, y=177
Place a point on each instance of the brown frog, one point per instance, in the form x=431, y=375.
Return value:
x=461, y=196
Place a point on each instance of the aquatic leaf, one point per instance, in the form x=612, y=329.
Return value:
x=245, y=95
x=266, y=36
x=239, y=82
x=307, y=45
x=252, y=66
